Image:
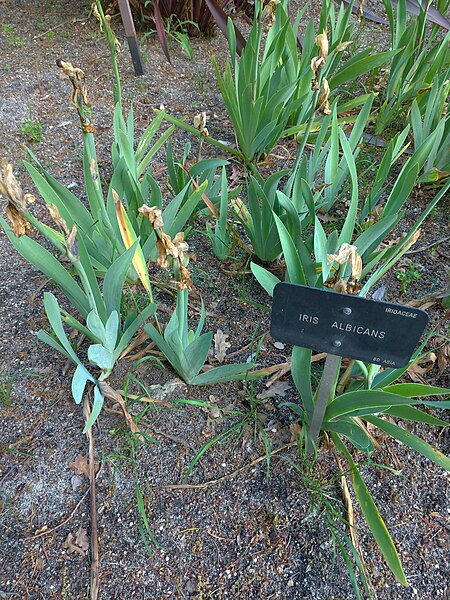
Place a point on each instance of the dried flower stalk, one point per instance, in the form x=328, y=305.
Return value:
x=79, y=93
x=109, y=31
x=17, y=201
x=200, y=123
x=318, y=61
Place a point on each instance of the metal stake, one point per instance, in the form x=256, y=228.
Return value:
x=323, y=395
x=130, y=32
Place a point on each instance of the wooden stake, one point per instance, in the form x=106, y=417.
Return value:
x=130, y=31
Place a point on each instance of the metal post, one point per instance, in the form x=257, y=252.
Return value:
x=127, y=19
x=323, y=395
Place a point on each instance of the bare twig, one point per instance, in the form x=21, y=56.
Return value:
x=94, y=530
x=207, y=484
x=69, y=518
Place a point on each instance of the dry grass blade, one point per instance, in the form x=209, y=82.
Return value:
x=283, y=368
x=351, y=521
x=205, y=198
x=206, y=484
x=150, y=400
x=108, y=392
x=138, y=340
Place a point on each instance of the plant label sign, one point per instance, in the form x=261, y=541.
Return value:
x=369, y=330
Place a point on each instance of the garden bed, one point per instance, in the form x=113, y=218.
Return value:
x=227, y=530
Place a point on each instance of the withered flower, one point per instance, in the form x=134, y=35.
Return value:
x=108, y=25
x=200, y=123
x=343, y=254
x=184, y=282
x=322, y=101
x=170, y=252
x=87, y=127
x=356, y=266
x=340, y=286
x=153, y=214
x=72, y=244
x=17, y=201
x=162, y=259
x=79, y=93
x=318, y=61
x=54, y=213
x=269, y=13
x=78, y=81
x=96, y=14
x=323, y=45
x=348, y=252
x=360, y=12
x=343, y=46
x=180, y=245
x=167, y=247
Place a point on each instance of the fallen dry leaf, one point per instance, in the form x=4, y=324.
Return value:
x=295, y=431
x=82, y=539
x=213, y=413
x=416, y=370
x=220, y=345
x=279, y=388
x=443, y=358
x=72, y=546
x=80, y=465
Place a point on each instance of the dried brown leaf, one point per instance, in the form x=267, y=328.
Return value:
x=81, y=538
x=416, y=371
x=221, y=345
x=108, y=392
x=295, y=430
x=72, y=244
x=76, y=481
x=279, y=388
x=443, y=358
x=80, y=466
x=72, y=546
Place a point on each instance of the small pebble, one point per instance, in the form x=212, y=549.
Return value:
x=279, y=345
